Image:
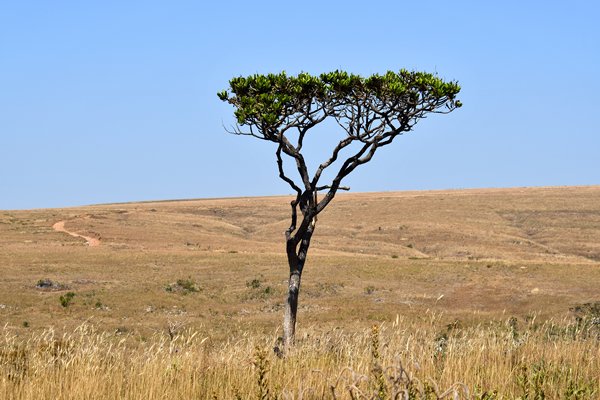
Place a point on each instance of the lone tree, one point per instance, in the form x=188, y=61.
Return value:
x=372, y=111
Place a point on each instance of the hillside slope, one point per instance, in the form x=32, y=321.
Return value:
x=465, y=253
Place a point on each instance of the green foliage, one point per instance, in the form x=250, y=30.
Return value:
x=587, y=317
x=257, y=289
x=370, y=289
x=66, y=300
x=254, y=283
x=184, y=286
x=531, y=381
x=580, y=389
x=188, y=285
x=485, y=395
x=267, y=101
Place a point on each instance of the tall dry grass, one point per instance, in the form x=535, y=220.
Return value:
x=407, y=359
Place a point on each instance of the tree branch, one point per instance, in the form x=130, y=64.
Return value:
x=343, y=171
x=282, y=173
x=292, y=228
x=329, y=187
x=341, y=145
x=236, y=130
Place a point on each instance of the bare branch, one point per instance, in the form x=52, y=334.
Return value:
x=341, y=145
x=236, y=130
x=329, y=187
x=344, y=170
x=291, y=151
x=290, y=230
x=282, y=173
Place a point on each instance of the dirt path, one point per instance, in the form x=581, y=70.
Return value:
x=90, y=241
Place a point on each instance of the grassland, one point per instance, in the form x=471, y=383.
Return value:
x=495, y=289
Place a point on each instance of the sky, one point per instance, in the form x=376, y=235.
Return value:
x=115, y=101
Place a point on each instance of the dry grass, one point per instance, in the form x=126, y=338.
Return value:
x=215, y=268
x=408, y=358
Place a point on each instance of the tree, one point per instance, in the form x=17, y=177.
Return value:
x=372, y=111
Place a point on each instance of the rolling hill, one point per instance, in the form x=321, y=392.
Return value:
x=471, y=255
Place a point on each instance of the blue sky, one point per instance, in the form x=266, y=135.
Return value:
x=116, y=101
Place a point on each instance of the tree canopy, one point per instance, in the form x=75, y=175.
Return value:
x=268, y=102
x=372, y=111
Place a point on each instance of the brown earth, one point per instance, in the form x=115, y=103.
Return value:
x=471, y=255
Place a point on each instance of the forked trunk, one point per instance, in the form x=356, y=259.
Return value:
x=296, y=255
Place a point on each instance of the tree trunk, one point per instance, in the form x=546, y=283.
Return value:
x=291, y=308
x=296, y=254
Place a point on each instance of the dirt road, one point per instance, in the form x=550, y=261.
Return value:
x=90, y=241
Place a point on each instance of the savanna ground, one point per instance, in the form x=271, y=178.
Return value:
x=487, y=293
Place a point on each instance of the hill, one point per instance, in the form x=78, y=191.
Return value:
x=219, y=264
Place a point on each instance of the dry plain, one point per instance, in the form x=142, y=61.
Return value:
x=217, y=267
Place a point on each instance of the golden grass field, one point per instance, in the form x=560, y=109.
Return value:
x=493, y=289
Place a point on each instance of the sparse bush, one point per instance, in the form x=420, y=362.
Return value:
x=587, y=318
x=258, y=290
x=101, y=306
x=184, y=286
x=187, y=285
x=66, y=300
x=254, y=283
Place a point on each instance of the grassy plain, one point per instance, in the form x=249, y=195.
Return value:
x=481, y=273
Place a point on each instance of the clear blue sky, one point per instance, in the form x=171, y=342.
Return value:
x=111, y=101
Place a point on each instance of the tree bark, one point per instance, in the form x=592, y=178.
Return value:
x=291, y=309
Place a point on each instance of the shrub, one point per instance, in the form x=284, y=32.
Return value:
x=184, y=286
x=66, y=300
x=254, y=283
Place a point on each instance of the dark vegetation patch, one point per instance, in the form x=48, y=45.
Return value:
x=183, y=286
x=50, y=285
